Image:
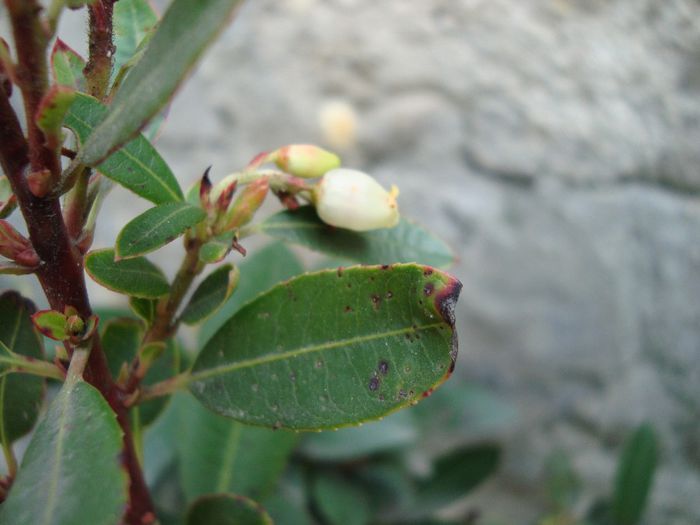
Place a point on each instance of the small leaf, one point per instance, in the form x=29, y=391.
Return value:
x=219, y=455
x=137, y=277
x=185, y=31
x=332, y=348
x=156, y=227
x=214, y=251
x=52, y=111
x=20, y=394
x=77, y=478
x=67, y=66
x=635, y=476
x=137, y=166
x=406, y=242
x=454, y=475
x=121, y=339
x=133, y=20
x=339, y=501
x=144, y=308
x=211, y=294
x=52, y=324
x=227, y=509
x=260, y=270
x=8, y=201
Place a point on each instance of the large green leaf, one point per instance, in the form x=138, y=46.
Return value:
x=133, y=19
x=406, y=242
x=221, y=455
x=20, y=394
x=182, y=35
x=156, y=227
x=210, y=294
x=227, y=509
x=71, y=472
x=260, y=270
x=330, y=349
x=138, y=276
x=635, y=475
x=137, y=166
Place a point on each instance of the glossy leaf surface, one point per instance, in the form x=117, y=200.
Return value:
x=182, y=35
x=138, y=276
x=407, y=242
x=77, y=478
x=137, y=166
x=156, y=227
x=635, y=476
x=20, y=394
x=221, y=455
x=332, y=348
x=227, y=509
x=212, y=292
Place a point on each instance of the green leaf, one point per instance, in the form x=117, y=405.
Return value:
x=635, y=476
x=156, y=227
x=137, y=166
x=394, y=432
x=52, y=111
x=52, y=324
x=121, y=339
x=137, y=277
x=20, y=394
x=67, y=66
x=339, y=501
x=454, y=475
x=8, y=201
x=75, y=477
x=133, y=19
x=182, y=35
x=221, y=455
x=144, y=308
x=261, y=270
x=214, y=251
x=331, y=348
x=406, y=242
x=211, y=294
x=227, y=509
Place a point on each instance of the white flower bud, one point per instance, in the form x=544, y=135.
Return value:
x=353, y=200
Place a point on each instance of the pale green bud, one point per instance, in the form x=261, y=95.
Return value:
x=305, y=160
x=353, y=200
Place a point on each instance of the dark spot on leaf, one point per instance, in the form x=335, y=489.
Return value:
x=427, y=272
x=277, y=425
x=383, y=368
x=348, y=309
x=319, y=364
x=389, y=294
x=381, y=397
x=385, y=266
x=401, y=394
x=374, y=383
x=428, y=392
x=428, y=289
x=340, y=271
x=376, y=301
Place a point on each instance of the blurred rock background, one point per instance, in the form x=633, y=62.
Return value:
x=556, y=145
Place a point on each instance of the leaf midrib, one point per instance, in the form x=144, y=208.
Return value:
x=124, y=151
x=271, y=358
x=144, y=235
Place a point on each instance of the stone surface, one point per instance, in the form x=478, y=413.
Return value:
x=556, y=145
